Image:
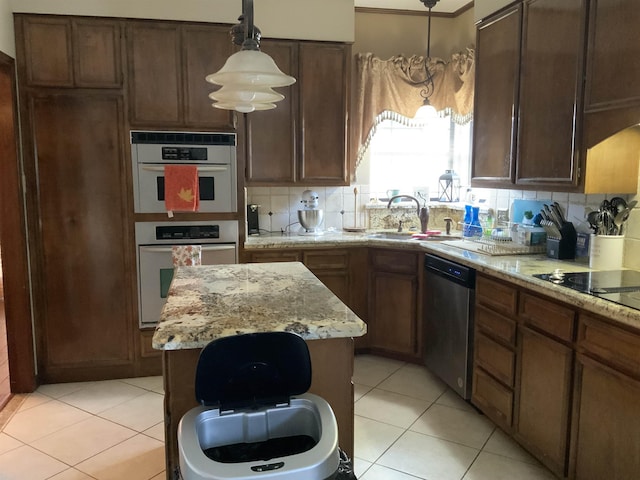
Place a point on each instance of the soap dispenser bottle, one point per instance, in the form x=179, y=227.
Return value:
x=466, y=223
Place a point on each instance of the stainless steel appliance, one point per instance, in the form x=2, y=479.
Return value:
x=449, y=290
x=619, y=286
x=310, y=216
x=213, y=153
x=219, y=242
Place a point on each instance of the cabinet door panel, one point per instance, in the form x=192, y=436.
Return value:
x=323, y=111
x=607, y=423
x=86, y=299
x=550, y=89
x=393, y=312
x=494, y=399
x=97, y=58
x=543, y=406
x=47, y=51
x=205, y=50
x=496, y=94
x=154, y=74
x=271, y=135
x=613, y=43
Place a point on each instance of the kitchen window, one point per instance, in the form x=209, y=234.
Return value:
x=410, y=158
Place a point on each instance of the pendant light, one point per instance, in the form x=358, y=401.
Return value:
x=248, y=76
x=427, y=111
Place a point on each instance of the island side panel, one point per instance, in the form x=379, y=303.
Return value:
x=332, y=370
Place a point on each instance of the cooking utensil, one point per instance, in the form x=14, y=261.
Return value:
x=620, y=220
x=617, y=204
x=592, y=218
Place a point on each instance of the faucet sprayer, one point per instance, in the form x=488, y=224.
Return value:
x=422, y=212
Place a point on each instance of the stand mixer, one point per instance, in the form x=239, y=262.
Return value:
x=310, y=216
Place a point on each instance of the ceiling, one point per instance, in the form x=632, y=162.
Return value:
x=443, y=6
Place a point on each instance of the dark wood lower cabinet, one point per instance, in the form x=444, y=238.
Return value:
x=606, y=440
x=543, y=406
x=81, y=246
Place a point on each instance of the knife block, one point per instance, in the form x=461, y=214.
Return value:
x=563, y=248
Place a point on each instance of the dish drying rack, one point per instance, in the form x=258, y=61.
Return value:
x=492, y=244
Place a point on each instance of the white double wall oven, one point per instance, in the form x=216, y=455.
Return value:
x=214, y=154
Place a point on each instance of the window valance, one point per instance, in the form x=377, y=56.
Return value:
x=387, y=89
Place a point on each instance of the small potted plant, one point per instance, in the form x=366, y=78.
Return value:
x=527, y=218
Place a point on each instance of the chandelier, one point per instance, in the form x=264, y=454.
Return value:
x=249, y=76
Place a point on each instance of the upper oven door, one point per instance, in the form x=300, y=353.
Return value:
x=214, y=154
x=217, y=188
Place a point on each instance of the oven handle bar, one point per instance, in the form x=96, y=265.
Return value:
x=200, y=169
x=205, y=248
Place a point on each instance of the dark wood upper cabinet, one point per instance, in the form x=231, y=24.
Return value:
x=168, y=63
x=613, y=71
x=304, y=139
x=550, y=93
x=69, y=52
x=271, y=134
x=324, y=80
x=496, y=95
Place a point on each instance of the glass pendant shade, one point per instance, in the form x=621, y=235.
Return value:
x=250, y=68
x=426, y=112
x=244, y=107
x=238, y=93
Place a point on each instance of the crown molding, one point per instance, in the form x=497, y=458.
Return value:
x=392, y=11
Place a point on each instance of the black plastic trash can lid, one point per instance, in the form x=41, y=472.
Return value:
x=252, y=370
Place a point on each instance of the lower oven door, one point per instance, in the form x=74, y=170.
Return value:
x=155, y=271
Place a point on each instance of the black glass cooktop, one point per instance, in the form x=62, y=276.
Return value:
x=620, y=286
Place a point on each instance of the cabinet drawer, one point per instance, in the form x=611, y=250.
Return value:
x=277, y=256
x=394, y=261
x=495, y=325
x=496, y=295
x=495, y=358
x=326, y=259
x=495, y=400
x=550, y=317
x=617, y=347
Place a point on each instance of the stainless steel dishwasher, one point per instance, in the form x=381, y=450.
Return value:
x=448, y=322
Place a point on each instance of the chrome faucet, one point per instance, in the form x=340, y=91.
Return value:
x=422, y=212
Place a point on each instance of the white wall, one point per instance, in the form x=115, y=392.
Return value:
x=296, y=19
x=7, y=42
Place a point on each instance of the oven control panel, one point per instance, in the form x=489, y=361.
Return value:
x=177, y=232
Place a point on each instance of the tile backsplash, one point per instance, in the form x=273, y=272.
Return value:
x=278, y=209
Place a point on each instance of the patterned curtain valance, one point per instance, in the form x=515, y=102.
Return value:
x=386, y=89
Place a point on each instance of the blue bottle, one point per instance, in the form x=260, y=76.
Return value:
x=476, y=226
x=466, y=223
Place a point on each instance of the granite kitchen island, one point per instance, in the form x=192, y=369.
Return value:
x=209, y=302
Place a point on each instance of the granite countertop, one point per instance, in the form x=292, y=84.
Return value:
x=517, y=269
x=209, y=302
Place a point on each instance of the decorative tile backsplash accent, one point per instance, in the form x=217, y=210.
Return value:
x=278, y=210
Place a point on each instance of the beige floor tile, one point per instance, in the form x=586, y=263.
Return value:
x=100, y=396
x=452, y=399
x=83, y=440
x=57, y=390
x=28, y=463
x=153, y=384
x=378, y=472
x=389, y=407
x=359, y=391
x=489, y=466
x=139, y=458
x=160, y=476
x=139, y=413
x=45, y=419
x=501, y=444
x=415, y=381
x=157, y=431
x=373, y=438
x=71, y=474
x=8, y=443
x=360, y=466
x=461, y=426
x=428, y=457
x=371, y=370
x=33, y=400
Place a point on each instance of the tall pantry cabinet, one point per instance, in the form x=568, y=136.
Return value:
x=76, y=171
